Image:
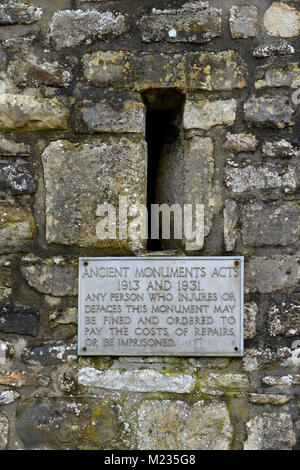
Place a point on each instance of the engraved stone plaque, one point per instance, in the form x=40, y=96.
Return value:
x=161, y=306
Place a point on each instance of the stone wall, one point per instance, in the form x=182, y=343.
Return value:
x=74, y=76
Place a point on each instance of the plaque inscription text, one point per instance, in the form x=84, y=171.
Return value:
x=161, y=306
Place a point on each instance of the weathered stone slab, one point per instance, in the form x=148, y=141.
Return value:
x=34, y=72
x=143, y=70
x=242, y=177
x=269, y=111
x=54, y=276
x=8, y=396
x=17, y=178
x=272, y=50
x=50, y=354
x=243, y=22
x=70, y=28
x=284, y=320
x=270, y=432
x=268, y=399
x=241, y=142
x=231, y=217
x=16, y=12
x=5, y=279
x=116, y=113
x=279, y=272
x=282, y=20
x=271, y=223
x=257, y=359
x=174, y=425
x=12, y=149
x=92, y=173
x=25, y=113
x=250, y=314
x=17, y=225
x=20, y=320
x=79, y=423
x=272, y=76
x=146, y=380
x=4, y=430
x=280, y=149
x=285, y=380
x=194, y=22
x=206, y=114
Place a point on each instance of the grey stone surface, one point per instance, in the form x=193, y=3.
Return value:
x=70, y=28
x=17, y=12
x=34, y=72
x=91, y=173
x=272, y=50
x=243, y=22
x=8, y=396
x=280, y=149
x=50, y=354
x=271, y=75
x=270, y=432
x=136, y=380
x=17, y=178
x=250, y=314
x=269, y=111
x=231, y=231
x=194, y=22
x=283, y=381
x=25, y=113
x=5, y=278
x=206, y=114
x=284, y=320
x=271, y=223
x=241, y=142
x=4, y=430
x=54, y=276
x=9, y=148
x=21, y=320
x=266, y=358
x=175, y=425
x=242, y=177
x=17, y=225
x=268, y=399
x=282, y=20
x=270, y=274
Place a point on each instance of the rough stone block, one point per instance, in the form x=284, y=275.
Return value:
x=5, y=279
x=272, y=50
x=230, y=224
x=50, y=354
x=70, y=28
x=285, y=380
x=250, y=314
x=241, y=142
x=17, y=178
x=17, y=225
x=284, y=320
x=8, y=396
x=138, y=71
x=25, y=113
x=16, y=12
x=279, y=272
x=269, y=111
x=272, y=223
x=268, y=399
x=174, y=425
x=280, y=149
x=257, y=359
x=282, y=20
x=272, y=76
x=270, y=432
x=4, y=430
x=242, y=177
x=54, y=276
x=194, y=22
x=34, y=72
x=12, y=149
x=206, y=114
x=80, y=177
x=243, y=22
x=20, y=320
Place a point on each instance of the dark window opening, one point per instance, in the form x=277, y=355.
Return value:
x=165, y=140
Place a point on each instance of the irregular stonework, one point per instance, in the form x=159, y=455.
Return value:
x=282, y=20
x=284, y=320
x=21, y=320
x=270, y=432
x=70, y=28
x=17, y=225
x=272, y=50
x=8, y=396
x=280, y=149
x=54, y=276
x=271, y=223
x=89, y=176
x=256, y=359
x=5, y=279
x=272, y=76
x=14, y=379
x=4, y=429
x=120, y=113
x=174, y=425
x=140, y=71
x=206, y=114
x=50, y=354
x=199, y=173
x=226, y=381
x=242, y=177
x=241, y=142
x=79, y=423
x=17, y=179
x=279, y=272
x=250, y=314
x=12, y=149
x=16, y=12
x=230, y=224
x=264, y=399
x=25, y=113
x=269, y=111
x=243, y=22
x=136, y=380
x=194, y=22
x=64, y=317
x=286, y=381
x=33, y=73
